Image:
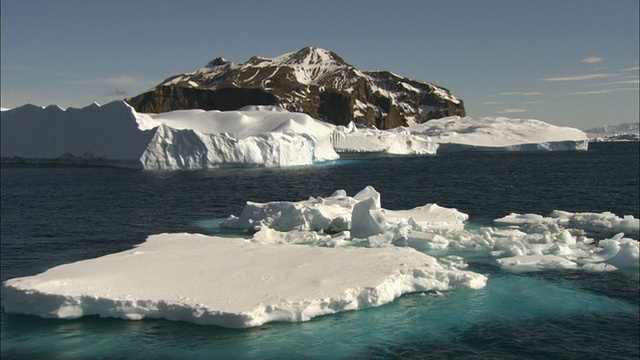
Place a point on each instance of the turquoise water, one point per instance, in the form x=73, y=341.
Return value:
x=52, y=216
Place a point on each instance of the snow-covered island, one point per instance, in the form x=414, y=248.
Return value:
x=313, y=257
x=116, y=135
x=613, y=133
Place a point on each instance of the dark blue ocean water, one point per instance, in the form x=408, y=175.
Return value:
x=56, y=215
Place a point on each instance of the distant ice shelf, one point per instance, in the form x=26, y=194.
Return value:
x=116, y=135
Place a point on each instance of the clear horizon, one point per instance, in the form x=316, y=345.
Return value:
x=570, y=62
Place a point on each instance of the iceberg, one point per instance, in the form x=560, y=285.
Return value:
x=103, y=132
x=116, y=135
x=399, y=141
x=456, y=133
x=230, y=282
x=183, y=139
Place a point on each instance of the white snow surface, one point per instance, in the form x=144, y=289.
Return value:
x=230, y=282
x=254, y=135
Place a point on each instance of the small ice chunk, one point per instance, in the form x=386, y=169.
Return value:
x=367, y=219
x=536, y=262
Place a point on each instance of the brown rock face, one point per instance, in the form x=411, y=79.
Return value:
x=314, y=81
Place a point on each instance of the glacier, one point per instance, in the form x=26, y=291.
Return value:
x=116, y=135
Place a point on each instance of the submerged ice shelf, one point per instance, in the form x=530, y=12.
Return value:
x=116, y=135
x=314, y=257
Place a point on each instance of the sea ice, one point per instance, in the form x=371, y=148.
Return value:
x=536, y=262
x=585, y=220
x=531, y=242
x=562, y=235
x=609, y=255
x=230, y=282
x=361, y=215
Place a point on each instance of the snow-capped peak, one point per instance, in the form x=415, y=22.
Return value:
x=217, y=62
x=310, y=56
x=312, y=80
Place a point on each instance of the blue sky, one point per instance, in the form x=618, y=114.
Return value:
x=567, y=62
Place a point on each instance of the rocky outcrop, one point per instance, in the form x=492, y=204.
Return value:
x=313, y=81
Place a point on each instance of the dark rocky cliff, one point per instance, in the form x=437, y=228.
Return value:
x=314, y=81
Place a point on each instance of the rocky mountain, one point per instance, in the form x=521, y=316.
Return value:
x=313, y=81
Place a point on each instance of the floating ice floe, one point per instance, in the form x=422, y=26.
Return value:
x=230, y=282
x=116, y=135
x=533, y=242
x=361, y=215
x=237, y=283
x=584, y=220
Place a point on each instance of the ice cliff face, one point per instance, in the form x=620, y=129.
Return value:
x=314, y=81
x=189, y=149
